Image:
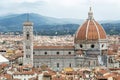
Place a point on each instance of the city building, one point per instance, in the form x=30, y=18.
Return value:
x=89, y=49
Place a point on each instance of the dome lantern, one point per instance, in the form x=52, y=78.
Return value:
x=90, y=30
x=90, y=14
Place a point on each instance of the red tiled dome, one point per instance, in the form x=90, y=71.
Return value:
x=90, y=30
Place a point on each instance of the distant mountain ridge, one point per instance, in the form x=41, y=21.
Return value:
x=43, y=20
x=49, y=25
x=14, y=22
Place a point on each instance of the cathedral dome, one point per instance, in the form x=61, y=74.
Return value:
x=90, y=30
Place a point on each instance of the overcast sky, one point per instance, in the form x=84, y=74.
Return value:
x=103, y=9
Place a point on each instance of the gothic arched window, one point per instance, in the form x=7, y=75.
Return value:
x=70, y=65
x=57, y=65
x=110, y=60
x=27, y=35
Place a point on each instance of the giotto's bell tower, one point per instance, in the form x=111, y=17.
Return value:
x=28, y=42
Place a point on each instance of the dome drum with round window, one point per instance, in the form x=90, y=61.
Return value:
x=91, y=36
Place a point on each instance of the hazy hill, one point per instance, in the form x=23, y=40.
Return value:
x=49, y=25
x=14, y=22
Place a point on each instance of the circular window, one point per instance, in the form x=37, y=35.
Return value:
x=81, y=45
x=33, y=52
x=45, y=53
x=69, y=53
x=92, y=46
x=57, y=53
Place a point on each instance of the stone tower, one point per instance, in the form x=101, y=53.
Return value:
x=28, y=42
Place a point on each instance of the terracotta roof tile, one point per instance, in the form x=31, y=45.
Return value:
x=117, y=77
x=111, y=52
x=101, y=71
x=107, y=75
x=90, y=30
x=82, y=32
x=58, y=78
x=54, y=47
x=24, y=73
x=3, y=65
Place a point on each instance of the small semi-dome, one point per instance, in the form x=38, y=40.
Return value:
x=90, y=30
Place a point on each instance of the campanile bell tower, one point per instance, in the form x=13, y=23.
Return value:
x=28, y=42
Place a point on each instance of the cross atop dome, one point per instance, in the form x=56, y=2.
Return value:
x=90, y=14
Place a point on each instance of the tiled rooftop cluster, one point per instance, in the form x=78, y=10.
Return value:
x=13, y=71
x=16, y=72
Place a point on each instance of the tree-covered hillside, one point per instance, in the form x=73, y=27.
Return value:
x=50, y=26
